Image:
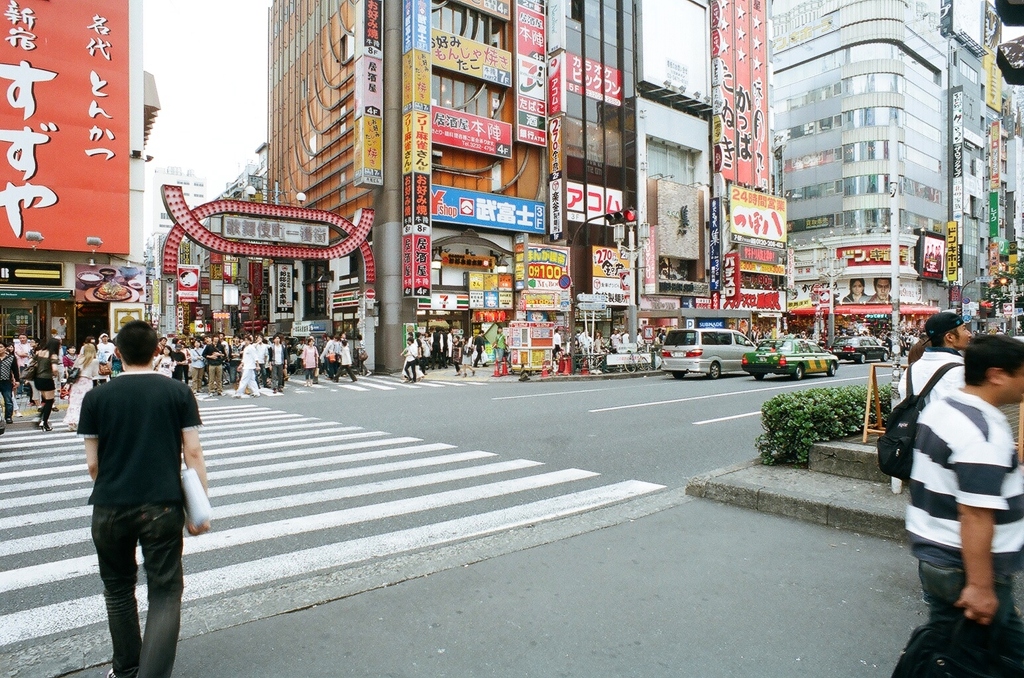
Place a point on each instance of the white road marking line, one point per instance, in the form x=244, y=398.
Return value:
x=263, y=505
x=713, y=395
x=55, y=470
x=54, y=515
x=68, y=437
x=74, y=614
x=318, y=462
x=365, y=381
x=312, y=445
x=352, y=387
x=70, y=568
x=205, y=434
x=548, y=395
x=228, y=407
x=735, y=416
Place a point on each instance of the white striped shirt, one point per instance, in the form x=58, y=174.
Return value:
x=964, y=454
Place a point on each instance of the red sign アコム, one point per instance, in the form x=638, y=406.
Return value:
x=64, y=124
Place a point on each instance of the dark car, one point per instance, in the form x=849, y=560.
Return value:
x=860, y=349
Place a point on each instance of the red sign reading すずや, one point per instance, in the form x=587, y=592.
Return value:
x=64, y=124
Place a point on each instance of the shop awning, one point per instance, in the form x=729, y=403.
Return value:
x=871, y=309
x=64, y=295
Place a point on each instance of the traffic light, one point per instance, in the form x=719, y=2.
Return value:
x=626, y=216
x=1002, y=281
x=1010, y=55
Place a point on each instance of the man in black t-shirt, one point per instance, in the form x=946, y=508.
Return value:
x=180, y=361
x=214, y=355
x=136, y=430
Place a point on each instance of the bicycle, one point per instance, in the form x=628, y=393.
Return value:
x=638, y=362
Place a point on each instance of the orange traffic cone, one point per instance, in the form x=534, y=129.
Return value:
x=544, y=370
x=497, y=368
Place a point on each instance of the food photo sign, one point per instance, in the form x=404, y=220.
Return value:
x=109, y=283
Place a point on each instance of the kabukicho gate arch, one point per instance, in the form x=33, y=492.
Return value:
x=345, y=236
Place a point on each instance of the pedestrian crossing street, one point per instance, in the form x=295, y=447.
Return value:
x=292, y=496
x=372, y=383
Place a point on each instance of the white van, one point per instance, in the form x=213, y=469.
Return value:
x=707, y=351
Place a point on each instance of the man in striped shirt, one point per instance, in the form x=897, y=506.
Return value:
x=966, y=518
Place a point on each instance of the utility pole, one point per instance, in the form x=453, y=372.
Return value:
x=896, y=485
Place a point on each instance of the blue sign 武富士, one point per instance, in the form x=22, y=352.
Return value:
x=486, y=210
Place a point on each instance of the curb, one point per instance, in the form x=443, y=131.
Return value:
x=843, y=503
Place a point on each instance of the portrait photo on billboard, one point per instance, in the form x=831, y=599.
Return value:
x=856, y=292
x=932, y=256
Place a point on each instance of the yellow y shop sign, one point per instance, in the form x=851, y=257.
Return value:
x=469, y=57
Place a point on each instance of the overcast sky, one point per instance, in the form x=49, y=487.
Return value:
x=209, y=58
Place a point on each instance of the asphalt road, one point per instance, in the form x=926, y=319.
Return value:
x=296, y=529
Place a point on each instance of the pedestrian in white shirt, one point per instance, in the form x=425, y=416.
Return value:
x=249, y=367
x=105, y=357
x=345, y=358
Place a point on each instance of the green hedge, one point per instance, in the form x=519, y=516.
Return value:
x=793, y=422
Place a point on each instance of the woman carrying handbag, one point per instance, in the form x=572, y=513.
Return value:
x=81, y=375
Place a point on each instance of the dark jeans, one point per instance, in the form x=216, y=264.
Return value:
x=115, y=531
x=332, y=368
x=942, y=587
x=277, y=369
x=7, y=391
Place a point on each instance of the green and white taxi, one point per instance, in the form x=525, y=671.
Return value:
x=789, y=356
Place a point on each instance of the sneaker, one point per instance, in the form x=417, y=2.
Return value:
x=9, y=420
x=237, y=395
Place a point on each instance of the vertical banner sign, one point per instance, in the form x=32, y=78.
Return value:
x=731, y=275
x=952, y=251
x=556, y=148
x=556, y=160
x=416, y=143
x=715, y=244
x=994, y=159
x=993, y=214
x=368, y=147
x=285, y=288
x=531, y=83
x=188, y=283
x=790, y=269
x=256, y=279
x=650, y=249
x=65, y=124
x=519, y=261
x=739, y=51
x=957, y=150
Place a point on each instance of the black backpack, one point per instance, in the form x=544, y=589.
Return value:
x=896, y=446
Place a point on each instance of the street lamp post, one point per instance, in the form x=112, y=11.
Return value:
x=632, y=251
x=571, y=322
x=830, y=275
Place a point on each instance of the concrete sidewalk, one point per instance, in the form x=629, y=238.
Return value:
x=695, y=589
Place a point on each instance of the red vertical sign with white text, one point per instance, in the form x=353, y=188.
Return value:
x=739, y=80
x=531, y=83
x=65, y=124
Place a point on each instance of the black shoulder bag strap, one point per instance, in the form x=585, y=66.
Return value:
x=939, y=373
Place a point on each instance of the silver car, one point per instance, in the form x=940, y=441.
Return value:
x=707, y=351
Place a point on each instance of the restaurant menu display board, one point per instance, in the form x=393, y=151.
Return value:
x=107, y=283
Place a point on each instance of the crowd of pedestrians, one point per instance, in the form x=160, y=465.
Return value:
x=34, y=374
x=441, y=348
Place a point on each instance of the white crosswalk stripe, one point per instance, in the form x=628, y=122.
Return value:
x=292, y=495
